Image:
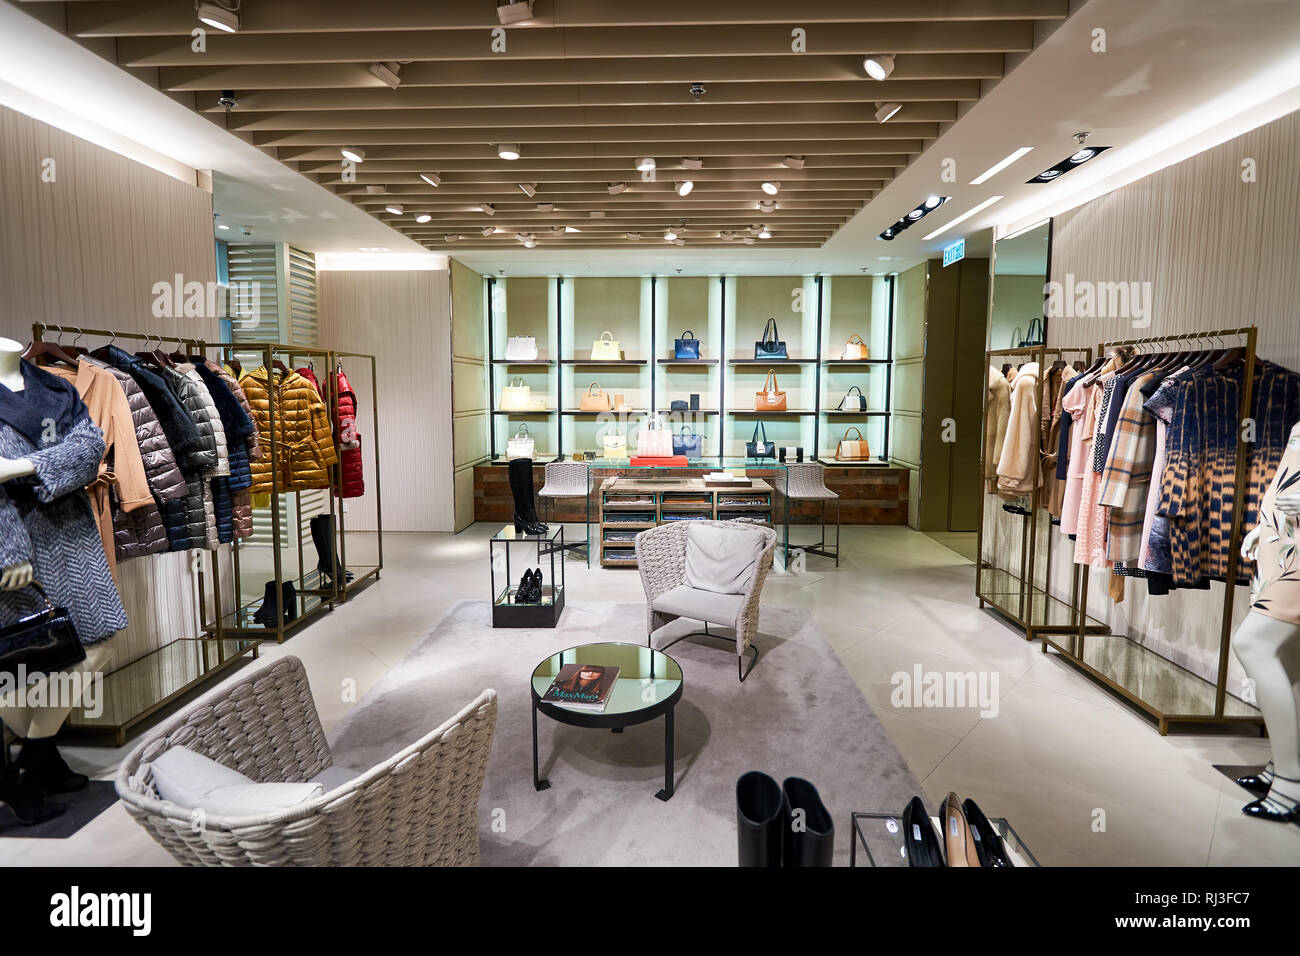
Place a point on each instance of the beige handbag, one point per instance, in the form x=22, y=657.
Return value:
x=771, y=398
x=850, y=449
x=855, y=349
x=521, y=444
x=594, y=400
x=516, y=397
x=613, y=445
x=605, y=347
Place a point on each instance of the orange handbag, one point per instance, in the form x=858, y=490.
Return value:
x=771, y=398
x=852, y=450
x=855, y=349
x=594, y=399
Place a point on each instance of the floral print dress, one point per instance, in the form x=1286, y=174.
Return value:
x=1275, y=587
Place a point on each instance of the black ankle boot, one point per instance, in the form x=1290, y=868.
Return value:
x=290, y=602
x=42, y=759
x=530, y=588
x=20, y=791
x=811, y=842
x=521, y=486
x=327, y=563
x=758, y=820
x=265, y=615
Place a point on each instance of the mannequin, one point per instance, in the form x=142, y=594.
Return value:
x=11, y=376
x=1268, y=641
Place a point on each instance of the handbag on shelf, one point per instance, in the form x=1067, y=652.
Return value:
x=605, y=348
x=788, y=453
x=686, y=347
x=687, y=443
x=852, y=449
x=770, y=346
x=1017, y=337
x=613, y=444
x=855, y=403
x=677, y=405
x=1035, y=334
x=516, y=398
x=770, y=399
x=855, y=349
x=40, y=643
x=760, y=449
x=653, y=440
x=594, y=400
x=695, y=401
x=521, y=348
x=521, y=444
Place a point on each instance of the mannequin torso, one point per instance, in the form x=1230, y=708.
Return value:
x=11, y=377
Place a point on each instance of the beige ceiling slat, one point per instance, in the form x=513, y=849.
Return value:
x=475, y=98
x=579, y=193
x=151, y=18
x=685, y=115
x=759, y=147
x=570, y=181
x=979, y=36
x=811, y=67
x=611, y=169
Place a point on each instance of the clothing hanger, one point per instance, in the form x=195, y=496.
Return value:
x=178, y=355
x=74, y=348
x=49, y=350
x=279, y=366
x=237, y=368
x=102, y=352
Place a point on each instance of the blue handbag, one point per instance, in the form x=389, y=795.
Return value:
x=770, y=346
x=687, y=443
x=687, y=347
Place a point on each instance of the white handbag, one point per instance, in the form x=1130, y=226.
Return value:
x=521, y=445
x=521, y=348
x=855, y=349
x=605, y=347
x=516, y=398
x=653, y=440
x=613, y=444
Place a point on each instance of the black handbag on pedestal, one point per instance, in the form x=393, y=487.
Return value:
x=41, y=643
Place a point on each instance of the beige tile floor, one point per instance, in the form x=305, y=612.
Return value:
x=1084, y=779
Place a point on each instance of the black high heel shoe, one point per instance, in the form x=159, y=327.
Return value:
x=1279, y=808
x=521, y=487
x=919, y=837
x=20, y=791
x=1257, y=783
x=530, y=588
x=41, y=758
x=988, y=843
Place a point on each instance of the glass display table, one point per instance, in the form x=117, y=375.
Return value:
x=880, y=837
x=507, y=609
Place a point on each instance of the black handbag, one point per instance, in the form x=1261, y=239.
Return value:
x=677, y=405
x=760, y=449
x=687, y=347
x=40, y=643
x=1035, y=334
x=770, y=346
x=856, y=402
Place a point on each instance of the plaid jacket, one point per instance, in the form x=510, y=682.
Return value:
x=1126, y=479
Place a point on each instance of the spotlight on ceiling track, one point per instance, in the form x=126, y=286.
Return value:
x=394, y=208
x=546, y=207
x=634, y=236
x=879, y=65
x=645, y=165
x=793, y=162
x=684, y=188
x=767, y=205
x=487, y=231
x=919, y=212
x=517, y=12
x=433, y=179
x=765, y=233
x=508, y=150
x=670, y=234
x=488, y=209
x=387, y=73
x=771, y=188
x=528, y=189
x=615, y=189
x=1073, y=161
x=886, y=111
x=423, y=217
x=726, y=235
x=451, y=237
x=692, y=162
x=225, y=19
x=353, y=154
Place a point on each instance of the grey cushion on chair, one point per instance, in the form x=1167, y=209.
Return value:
x=193, y=781
x=699, y=605
x=721, y=560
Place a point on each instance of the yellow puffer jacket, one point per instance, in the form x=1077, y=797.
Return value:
x=304, y=441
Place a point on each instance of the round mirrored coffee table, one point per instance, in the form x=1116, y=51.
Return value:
x=649, y=684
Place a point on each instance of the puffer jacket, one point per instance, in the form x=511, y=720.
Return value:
x=352, y=481
x=197, y=504
x=140, y=532
x=241, y=501
x=236, y=423
x=214, y=503
x=304, y=440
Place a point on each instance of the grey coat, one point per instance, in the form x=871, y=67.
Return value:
x=198, y=465
x=140, y=532
x=46, y=519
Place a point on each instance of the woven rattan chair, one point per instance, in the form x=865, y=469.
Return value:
x=417, y=808
x=661, y=560
x=569, y=479
x=807, y=482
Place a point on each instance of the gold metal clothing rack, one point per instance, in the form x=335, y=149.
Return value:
x=1075, y=647
x=361, y=575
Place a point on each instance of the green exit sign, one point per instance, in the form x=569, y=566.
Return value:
x=954, y=253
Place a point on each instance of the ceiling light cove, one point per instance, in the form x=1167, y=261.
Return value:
x=1073, y=161
x=919, y=212
x=433, y=179
x=886, y=111
x=963, y=217
x=353, y=154
x=508, y=151
x=219, y=16
x=999, y=166
x=879, y=65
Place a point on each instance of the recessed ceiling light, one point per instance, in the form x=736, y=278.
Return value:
x=645, y=165
x=771, y=188
x=387, y=73
x=488, y=209
x=879, y=65
x=1083, y=155
x=515, y=12
x=423, y=217
x=885, y=111
x=999, y=166
x=546, y=207
x=433, y=179
x=528, y=189
x=963, y=217
x=793, y=162
x=353, y=154
x=218, y=17
x=684, y=188
x=615, y=188
x=932, y=201
x=508, y=150
x=394, y=208
x=634, y=236
x=920, y=211
x=1073, y=161
x=692, y=162
x=222, y=225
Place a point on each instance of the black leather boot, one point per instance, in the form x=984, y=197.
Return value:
x=290, y=602
x=20, y=791
x=327, y=563
x=758, y=820
x=521, y=487
x=265, y=615
x=807, y=838
x=41, y=758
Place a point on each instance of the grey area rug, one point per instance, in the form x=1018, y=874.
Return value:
x=799, y=713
